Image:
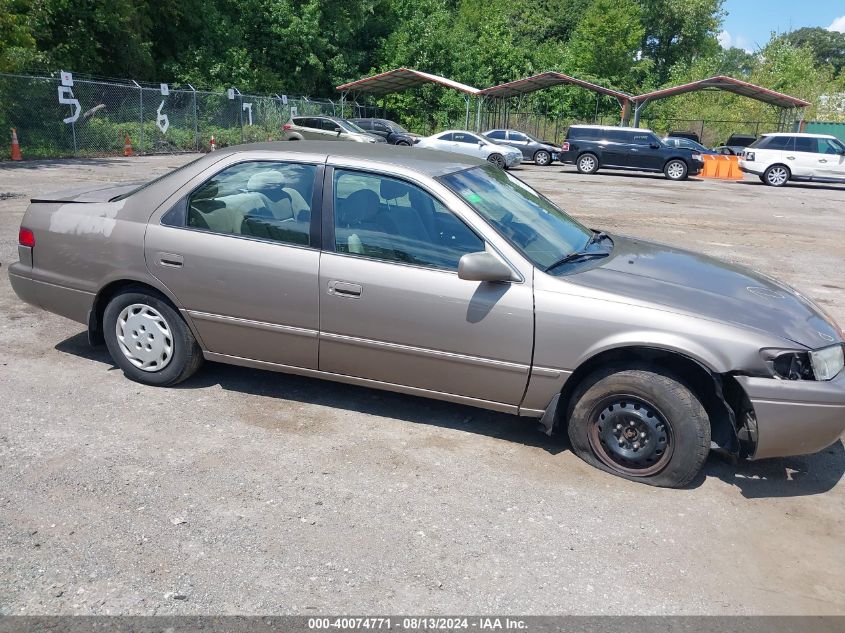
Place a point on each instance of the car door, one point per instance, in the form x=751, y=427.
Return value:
x=329, y=130
x=243, y=262
x=309, y=128
x=380, y=129
x=831, y=158
x=467, y=143
x=522, y=143
x=392, y=308
x=646, y=152
x=803, y=159
x=614, y=147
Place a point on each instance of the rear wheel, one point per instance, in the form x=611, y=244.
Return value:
x=148, y=339
x=776, y=175
x=542, y=158
x=497, y=159
x=405, y=143
x=675, y=169
x=587, y=164
x=640, y=423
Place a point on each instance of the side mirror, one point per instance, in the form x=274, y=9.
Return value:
x=483, y=266
x=338, y=130
x=481, y=143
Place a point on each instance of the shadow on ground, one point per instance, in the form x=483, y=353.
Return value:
x=781, y=477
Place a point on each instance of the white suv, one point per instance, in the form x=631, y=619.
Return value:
x=779, y=158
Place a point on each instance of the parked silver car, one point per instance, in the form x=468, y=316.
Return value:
x=326, y=128
x=439, y=275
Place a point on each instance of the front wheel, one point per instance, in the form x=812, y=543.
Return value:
x=640, y=423
x=776, y=175
x=148, y=339
x=497, y=159
x=675, y=170
x=587, y=164
x=542, y=158
x=403, y=143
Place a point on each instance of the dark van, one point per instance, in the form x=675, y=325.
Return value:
x=594, y=147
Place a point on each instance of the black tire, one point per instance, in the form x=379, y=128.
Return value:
x=403, y=143
x=185, y=357
x=777, y=175
x=616, y=401
x=497, y=159
x=587, y=163
x=542, y=158
x=675, y=169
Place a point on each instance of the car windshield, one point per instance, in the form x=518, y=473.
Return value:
x=531, y=222
x=349, y=126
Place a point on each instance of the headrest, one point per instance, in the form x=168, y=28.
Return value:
x=270, y=179
x=206, y=192
x=361, y=206
x=392, y=189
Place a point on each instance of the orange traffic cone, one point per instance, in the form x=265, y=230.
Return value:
x=16, y=147
x=213, y=144
x=127, y=146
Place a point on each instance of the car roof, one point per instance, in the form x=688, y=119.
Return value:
x=425, y=161
x=611, y=127
x=799, y=134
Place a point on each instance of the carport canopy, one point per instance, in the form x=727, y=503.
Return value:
x=400, y=79
x=721, y=82
x=547, y=80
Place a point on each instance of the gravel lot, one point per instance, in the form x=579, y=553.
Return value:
x=250, y=492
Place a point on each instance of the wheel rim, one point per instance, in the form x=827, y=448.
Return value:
x=497, y=160
x=778, y=175
x=144, y=337
x=542, y=158
x=675, y=170
x=631, y=436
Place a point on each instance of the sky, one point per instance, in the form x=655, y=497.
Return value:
x=749, y=22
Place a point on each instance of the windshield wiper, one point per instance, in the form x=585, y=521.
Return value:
x=597, y=237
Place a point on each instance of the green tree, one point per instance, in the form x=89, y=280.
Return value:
x=828, y=46
x=18, y=48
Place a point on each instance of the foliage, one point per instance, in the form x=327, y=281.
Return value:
x=311, y=46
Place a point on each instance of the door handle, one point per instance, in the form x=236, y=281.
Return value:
x=822, y=160
x=345, y=289
x=790, y=158
x=171, y=260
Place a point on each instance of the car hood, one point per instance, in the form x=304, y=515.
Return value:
x=698, y=285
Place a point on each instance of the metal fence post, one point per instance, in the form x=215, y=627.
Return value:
x=196, y=120
x=140, y=117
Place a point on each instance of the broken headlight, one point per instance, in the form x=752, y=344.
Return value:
x=820, y=364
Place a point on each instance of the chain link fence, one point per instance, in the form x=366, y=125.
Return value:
x=92, y=117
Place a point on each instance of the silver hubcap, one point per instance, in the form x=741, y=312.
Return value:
x=587, y=163
x=542, y=158
x=675, y=170
x=777, y=175
x=144, y=337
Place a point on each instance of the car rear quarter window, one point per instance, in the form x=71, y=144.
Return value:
x=268, y=200
x=445, y=137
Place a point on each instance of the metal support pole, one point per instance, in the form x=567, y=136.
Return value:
x=466, y=125
x=478, y=114
x=638, y=109
x=196, y=120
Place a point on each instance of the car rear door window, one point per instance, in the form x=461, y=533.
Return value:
x=617, y=136
x=267, y=200
x=782, y=143
x=806, y=144
x=389, y=219
x=497, y=135
x=518, y=136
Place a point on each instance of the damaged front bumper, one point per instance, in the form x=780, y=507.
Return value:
x=795, y=417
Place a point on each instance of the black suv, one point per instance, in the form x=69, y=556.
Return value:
x=390, y=131
x=590, y=147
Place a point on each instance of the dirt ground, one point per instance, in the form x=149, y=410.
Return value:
x=249, y=492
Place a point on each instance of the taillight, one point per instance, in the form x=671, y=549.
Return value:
x=565, y=146
x=286, y=127
x=26, y=237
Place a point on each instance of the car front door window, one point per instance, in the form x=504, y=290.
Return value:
x=388, y=219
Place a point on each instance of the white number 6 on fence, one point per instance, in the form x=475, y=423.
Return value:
x=161, y=119
x=66, y=96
